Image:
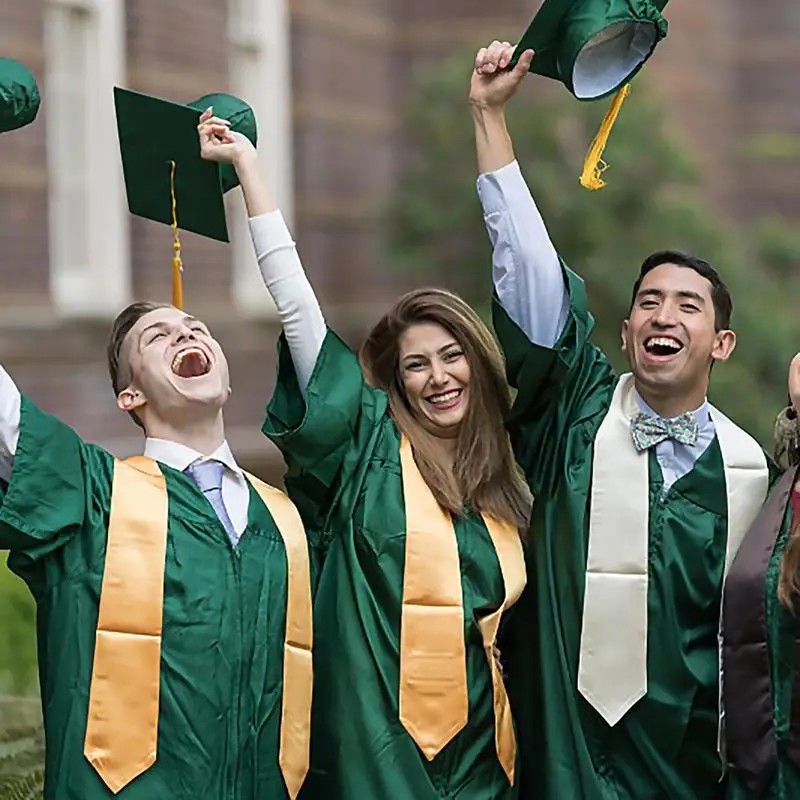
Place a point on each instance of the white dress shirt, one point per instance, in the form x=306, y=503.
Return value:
x=529, y=283
x=235, y=489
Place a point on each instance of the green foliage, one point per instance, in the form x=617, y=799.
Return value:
x=21, y=749
x=21, y=732
x=17, y=636
x=653, y=201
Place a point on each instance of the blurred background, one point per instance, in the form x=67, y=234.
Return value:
x=366, y=137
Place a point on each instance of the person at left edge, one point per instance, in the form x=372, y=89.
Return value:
x=173, y=590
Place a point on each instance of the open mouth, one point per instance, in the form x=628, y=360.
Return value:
x=662, y=346
x=445, y=400
x=191, y=363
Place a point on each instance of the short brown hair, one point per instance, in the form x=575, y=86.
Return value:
x=484, y=473
x=119, y=370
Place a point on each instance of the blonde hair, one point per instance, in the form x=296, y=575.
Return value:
x=786, y=453
x=483, y=474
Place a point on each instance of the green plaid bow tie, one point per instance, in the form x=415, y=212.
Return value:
x=648, y=431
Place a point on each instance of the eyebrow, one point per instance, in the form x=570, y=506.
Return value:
x=162, y=325
x=441, y=350
x=684, y=293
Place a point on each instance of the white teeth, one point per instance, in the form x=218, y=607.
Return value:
x=189, y=351
x=444, y=398
x=663, y=341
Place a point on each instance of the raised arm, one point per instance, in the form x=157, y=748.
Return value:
x=526, y=270
x=301, y=317
x=10, y=402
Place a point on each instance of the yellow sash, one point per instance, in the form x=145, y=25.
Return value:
x=434, y=700
x=122, y=726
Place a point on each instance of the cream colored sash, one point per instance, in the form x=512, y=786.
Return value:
x=122, y=725
x=612, y=671
x=433, y=693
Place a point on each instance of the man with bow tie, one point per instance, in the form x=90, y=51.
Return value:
x=643, y=493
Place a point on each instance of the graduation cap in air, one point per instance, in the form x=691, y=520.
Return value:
x=19, y=95
x=166, y=179
x=595, y=48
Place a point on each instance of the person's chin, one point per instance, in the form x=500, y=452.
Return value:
x=200, y=393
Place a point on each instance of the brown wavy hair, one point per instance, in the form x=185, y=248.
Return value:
x=483, y=473
x=786, y=452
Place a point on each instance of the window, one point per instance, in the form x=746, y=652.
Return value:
x=260, y=75
x=88, y=219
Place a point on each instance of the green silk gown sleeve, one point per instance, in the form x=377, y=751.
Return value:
x=224, y=620
x=665, y=747
x=343, y=456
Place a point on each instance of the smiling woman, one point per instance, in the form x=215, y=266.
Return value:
x=403, y=460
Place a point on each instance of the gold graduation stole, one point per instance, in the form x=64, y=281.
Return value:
x=434, y=701
x=612, y=668
x=122, y=725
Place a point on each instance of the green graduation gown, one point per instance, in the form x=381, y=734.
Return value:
x=763, y=635
x=223, y=624
x=343, y=455
x=666, y=745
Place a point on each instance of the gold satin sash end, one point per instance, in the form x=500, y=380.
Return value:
x=122, y=724
x=434, y=698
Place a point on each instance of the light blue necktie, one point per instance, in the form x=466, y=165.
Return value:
x=648, y=431
x=208, y=477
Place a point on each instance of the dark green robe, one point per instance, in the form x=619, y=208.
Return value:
x=782, y=631
x=665, y=747
x=223, y=629
x=343, y=455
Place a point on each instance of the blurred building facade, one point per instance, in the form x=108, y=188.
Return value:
x=328, y=82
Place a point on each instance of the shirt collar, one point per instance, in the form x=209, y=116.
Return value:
x=702, y=414
x=179, y=456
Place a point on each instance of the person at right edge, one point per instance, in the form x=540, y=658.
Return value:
x=643, y=490
x=761, y=681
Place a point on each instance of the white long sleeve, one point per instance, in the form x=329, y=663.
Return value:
x=10, y=402
x=526, y=269
x=301, y=317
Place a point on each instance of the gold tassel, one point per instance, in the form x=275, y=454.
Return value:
x=594, y=165
x=177, y=265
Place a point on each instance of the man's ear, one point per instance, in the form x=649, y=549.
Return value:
x=724, y=345
x=130, y=399
x=624, y=334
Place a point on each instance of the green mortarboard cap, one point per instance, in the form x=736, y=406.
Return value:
x=19, y=95
x=593, y=47
x=154, y=134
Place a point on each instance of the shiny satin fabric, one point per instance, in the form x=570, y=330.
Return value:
x=433, y=677
x=666, y=745
x=224, y=615
x=346, y=475
x=760, y=645
x=122, y=726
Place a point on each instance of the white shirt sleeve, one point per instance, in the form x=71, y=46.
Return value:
x=301, y=317
x=526, y=269
x=10, y=402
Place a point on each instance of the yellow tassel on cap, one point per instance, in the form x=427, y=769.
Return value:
x=594, y=165
x=177, y=266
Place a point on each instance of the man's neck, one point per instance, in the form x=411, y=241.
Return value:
x=203, y=436
x=671, y=406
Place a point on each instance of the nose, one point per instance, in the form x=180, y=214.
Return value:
x=439, y=375
x=664, y=315
x=185, y=333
